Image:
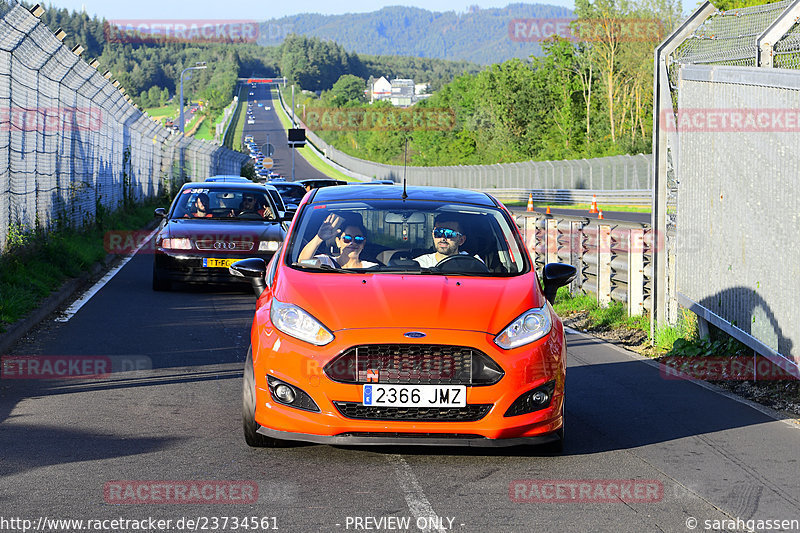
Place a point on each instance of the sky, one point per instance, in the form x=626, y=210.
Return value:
x=263, y=10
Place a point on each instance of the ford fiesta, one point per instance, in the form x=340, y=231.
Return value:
x=395, y=316
x=211, y=225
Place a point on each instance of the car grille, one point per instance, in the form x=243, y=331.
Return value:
x=414, y=364
x=469, y=413
x=225, y=246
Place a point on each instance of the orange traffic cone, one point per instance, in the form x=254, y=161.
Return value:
x=548, y=210
x=530, y=202
x=593, y=207
x=600, y=215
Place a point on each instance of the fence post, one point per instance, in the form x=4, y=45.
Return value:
x=551, y=236
x=576, y=254
x=603, y=265
x=635, y=272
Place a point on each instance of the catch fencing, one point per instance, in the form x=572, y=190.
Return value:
x=71, y=141
x=727, y=152
x=620, y=172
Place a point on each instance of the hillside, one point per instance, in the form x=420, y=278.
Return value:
x=479, y=36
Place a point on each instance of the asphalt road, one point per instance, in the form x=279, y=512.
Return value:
x=63, y=442
x=267, y=126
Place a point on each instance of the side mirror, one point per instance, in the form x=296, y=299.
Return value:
x=160, y=213
x=255, y=269
x=556, y=275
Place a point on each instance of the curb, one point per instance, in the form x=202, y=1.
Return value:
x=23, y=326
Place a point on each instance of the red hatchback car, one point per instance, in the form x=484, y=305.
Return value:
x=395, y=316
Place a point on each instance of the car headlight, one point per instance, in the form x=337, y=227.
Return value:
x=530, y=326
x=177, y=244
x=294, y=321
x=268, y=246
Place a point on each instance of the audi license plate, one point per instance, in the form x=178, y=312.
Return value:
x=415, y=395
x=211, y=262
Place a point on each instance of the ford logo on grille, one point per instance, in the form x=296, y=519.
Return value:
x=220, y=245
x=414, y=335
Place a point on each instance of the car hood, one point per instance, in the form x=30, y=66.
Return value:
x=413, y=301
x=223, y=230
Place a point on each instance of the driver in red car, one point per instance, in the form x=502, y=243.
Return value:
x=447, y=238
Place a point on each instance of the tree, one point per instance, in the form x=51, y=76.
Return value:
x=348, y=88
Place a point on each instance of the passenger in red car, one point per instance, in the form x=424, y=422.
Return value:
x=350, y=242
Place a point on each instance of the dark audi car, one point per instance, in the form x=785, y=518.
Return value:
x=211, y=225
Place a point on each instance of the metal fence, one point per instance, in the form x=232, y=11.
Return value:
x=725, y=191
x=601, y=173
x=71, y=141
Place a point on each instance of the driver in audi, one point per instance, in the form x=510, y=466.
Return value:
x=447, y=238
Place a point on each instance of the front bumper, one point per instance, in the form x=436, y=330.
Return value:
x=188, y=267
x=301, y=365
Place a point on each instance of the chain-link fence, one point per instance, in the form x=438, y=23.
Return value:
x=727, y=156
x=72, y=143
x=620, y=172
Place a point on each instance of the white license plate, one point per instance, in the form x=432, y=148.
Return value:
x=415, y=395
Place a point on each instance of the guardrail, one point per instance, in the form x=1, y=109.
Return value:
x=614, y=261
x=574, y=196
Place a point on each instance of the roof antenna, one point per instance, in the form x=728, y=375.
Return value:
x=405, y=156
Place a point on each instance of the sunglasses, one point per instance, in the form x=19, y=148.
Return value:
x=446, y=233
x=347, y=239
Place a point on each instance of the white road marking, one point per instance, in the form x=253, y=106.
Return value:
x=70, y=311
x=415, y=497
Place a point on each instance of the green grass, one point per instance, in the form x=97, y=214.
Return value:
x=30, y=272
x=168, y=110
x=306, y=152
x=613, y=316
x=239, y=116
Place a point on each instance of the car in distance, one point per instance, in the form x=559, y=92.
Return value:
x=198, y=246
x=321, y=182
x=356, y=342
x=228, y=179
x=291, y=192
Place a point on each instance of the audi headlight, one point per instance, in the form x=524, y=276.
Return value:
x=177, y=244
x=268, y=246
x=294, y=321
x=530, y=326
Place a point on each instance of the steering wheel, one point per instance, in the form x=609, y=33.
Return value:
x=461, y=263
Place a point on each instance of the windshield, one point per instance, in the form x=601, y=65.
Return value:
x=223, y=204
x=406, y=237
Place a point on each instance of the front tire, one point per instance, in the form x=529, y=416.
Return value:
x=251, y=435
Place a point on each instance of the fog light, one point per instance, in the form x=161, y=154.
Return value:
x=540, y=397
x=533, y=400
x=284, y=393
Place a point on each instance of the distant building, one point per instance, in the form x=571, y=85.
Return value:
x=380, y=89
x=402, y=92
